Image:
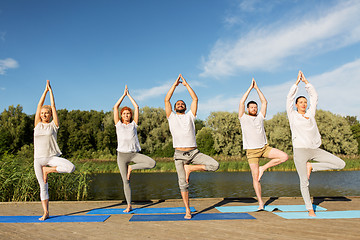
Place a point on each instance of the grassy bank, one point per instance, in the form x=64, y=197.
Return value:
x=227, y=164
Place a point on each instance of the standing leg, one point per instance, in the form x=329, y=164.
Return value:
x=44, y=195
x=256, y=183
x=183, y=185
x=301, y=156
x=123, y=160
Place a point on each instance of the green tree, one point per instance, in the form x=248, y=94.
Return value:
x=16, y=129
x=336, y=135
x=355, y=128
x=226, y=131
x=278, y=132
x=205, y=141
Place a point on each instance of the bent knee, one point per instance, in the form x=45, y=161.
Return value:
x=212, y=167
x=284, y=158
x=341, y=165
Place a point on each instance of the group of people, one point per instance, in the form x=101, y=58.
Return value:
x=306, y=141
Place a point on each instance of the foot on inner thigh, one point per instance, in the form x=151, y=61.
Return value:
x=308, y=169
x=261, y=172
x=187, y=172
x=128, y=209
x=128, y=173
x=44, y=217
x=312, y=213
x=45, y=174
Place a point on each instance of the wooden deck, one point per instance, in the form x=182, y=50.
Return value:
x=266, y=226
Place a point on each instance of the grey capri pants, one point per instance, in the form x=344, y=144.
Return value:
x=141, y=162
x=191, y=157
x=325, y=161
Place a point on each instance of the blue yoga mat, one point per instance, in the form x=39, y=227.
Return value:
x=320, y=215
x=53, y=219
x=195, y=217
x=284, y=208
x=140, y=210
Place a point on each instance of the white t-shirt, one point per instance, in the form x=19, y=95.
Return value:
x=127, y=137
x=45, y=136
x=305, y=133
x=182, y=128
x=253, y=131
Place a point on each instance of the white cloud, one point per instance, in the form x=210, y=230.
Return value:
x=338, y=92
x=6, y=64
x=267, y=47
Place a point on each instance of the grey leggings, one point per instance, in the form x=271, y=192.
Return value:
x=194, y=157
x=325, y=161
x=141, y=162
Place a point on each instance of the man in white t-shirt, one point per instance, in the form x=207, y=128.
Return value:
x=254, y=139
x=182, y=128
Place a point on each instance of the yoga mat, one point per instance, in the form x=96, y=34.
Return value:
x=140, y=210
x=53, y=219
x=195, y=217
x=284, y=208
x=320, y=215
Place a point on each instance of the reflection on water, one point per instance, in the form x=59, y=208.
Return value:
x=145, y=186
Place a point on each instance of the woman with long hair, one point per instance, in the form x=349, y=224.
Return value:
x=46, y=149
x=128, y=144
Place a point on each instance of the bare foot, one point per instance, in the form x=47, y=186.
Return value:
x=187, y=174
x=128, y=209
x=312, y=213
x=45, y=174
x=128, y=173
x=44, y=217
x=187, y=215
x=261, y=206
x=261, y=172
x=308, y=169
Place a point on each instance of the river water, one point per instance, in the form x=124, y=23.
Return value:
x=146, y=186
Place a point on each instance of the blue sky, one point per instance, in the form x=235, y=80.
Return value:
x=89, y=50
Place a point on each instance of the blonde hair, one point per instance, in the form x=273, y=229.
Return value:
x=47, y=107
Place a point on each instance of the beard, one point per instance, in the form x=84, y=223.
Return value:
x=180, y=110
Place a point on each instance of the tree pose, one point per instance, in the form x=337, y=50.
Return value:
x=46, y=149
x=128, y=144
x=182, y=129
x=254, y=139
x=306, y=139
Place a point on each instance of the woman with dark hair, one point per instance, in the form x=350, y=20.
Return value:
x=306, y=139
x=128, y=144
x=46, y=149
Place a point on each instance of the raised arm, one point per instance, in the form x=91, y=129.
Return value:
x=243, y=99
x=168, y=96
x=52, y=103
x=194, y=103
x=312, y=95
x=136, y=107
x=262, y=99
x=116, y=107
x=40, y=104
x=291, y=95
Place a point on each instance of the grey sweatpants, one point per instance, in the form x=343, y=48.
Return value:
x=141, y=162
x=325, y=161
x=191, y=157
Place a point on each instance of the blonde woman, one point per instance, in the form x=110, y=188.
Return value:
x=46, y=149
